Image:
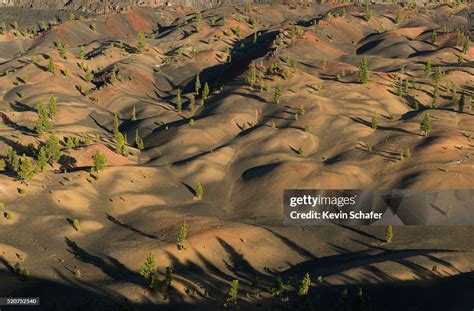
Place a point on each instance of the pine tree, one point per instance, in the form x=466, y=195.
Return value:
x=364, y=70
x=398, y=18
x=69, y=143
x=13, y=160
x=53, y=149
x=400, y=88
x=460, y=59
x=141, y=45
x=247, y=7
x=389, y=234
x=324, y=62
x=139, y=141
x=368, y=12
x=166, y=284
x=304, y=286
x=179, y=103
x=461, y=103
x=428, y=68
x=192, y=103
x=277, y=94
x=100, y=162
x=116, y=125
x=436, y=92
x=42, y=160
x=149, y=269
x=438, y=75
x=198, y=16
x=43, y=123
x=183, y=234
x=434, y=36
x=425, y=125
x=454, y=93
x=359, y=302
x=120, y=146
x=205, y=91
x=52, y=106
x=277, y=286
x=51, y=66
x=252, y=75
x=82, y=53
x=375, y=121
x=466, y=45
x=232, y=296
x=25, y=172
x=89, y=76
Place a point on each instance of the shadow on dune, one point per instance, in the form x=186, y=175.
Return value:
x=208, y=283
x=221, y=74
x=10, y=123
x=382, y=128
x=117, y=222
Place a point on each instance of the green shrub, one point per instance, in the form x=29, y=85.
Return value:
x=76, y=224
x=199, y=190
